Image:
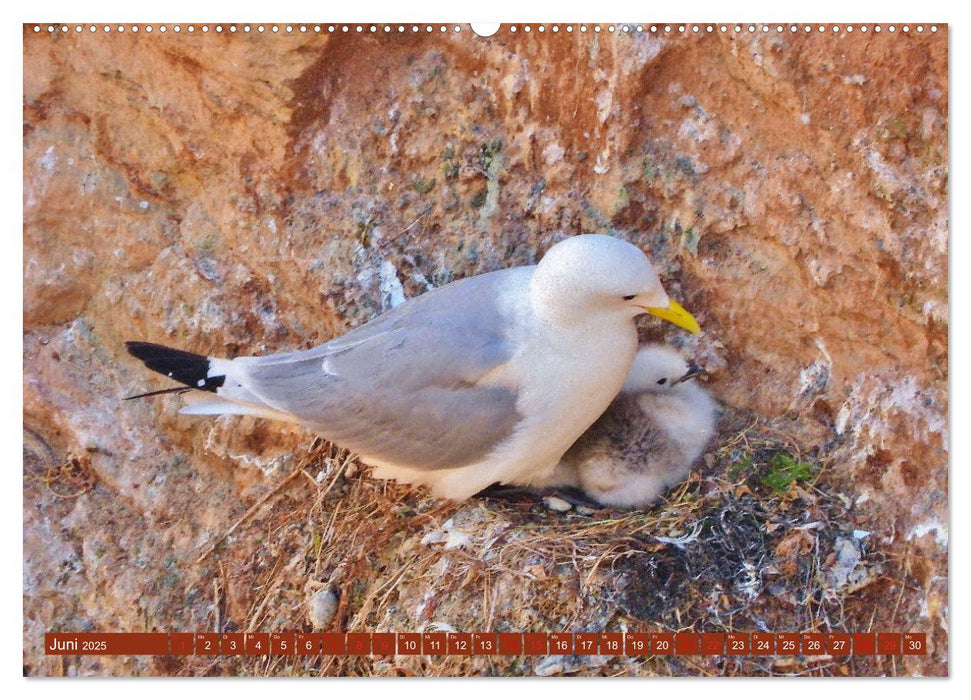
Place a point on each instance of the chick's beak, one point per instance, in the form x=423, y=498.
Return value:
x=693, y=371
x=676, y=314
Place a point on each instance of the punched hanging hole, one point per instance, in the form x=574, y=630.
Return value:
x=485, y=28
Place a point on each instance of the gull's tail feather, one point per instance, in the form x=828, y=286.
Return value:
x=224, y=378
x=193, y=370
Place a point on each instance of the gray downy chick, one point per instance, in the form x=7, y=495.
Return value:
x=649, y=436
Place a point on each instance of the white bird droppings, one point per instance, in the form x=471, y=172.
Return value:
x=392, y=293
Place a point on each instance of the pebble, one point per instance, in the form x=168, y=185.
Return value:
x=321, y=608
x=558, y=504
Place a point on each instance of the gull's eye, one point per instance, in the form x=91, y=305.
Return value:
x=629, y=297
x=662, y=381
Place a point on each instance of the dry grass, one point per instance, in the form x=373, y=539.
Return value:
x=729, y=550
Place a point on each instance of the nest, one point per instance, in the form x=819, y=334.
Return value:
x=753, y=541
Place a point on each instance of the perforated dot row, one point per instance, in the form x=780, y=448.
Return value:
x=247, y=28
x=442, y=28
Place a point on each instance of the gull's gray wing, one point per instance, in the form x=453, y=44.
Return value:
x=411, y=387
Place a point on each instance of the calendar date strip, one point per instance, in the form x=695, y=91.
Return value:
x=485, y=644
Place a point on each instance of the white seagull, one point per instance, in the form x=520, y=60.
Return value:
x=486, y=380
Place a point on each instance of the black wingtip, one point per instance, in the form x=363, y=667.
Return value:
x=186, y=367
x=151, y=351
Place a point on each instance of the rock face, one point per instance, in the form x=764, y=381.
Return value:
x=244, y=193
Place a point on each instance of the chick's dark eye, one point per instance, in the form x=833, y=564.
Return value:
x=662, y=381
x=629, y=297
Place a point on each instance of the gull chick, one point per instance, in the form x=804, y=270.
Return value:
x=647, y=439
x=486, y=380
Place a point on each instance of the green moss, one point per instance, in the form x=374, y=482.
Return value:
x=689, y=240
x=422, y=186
x=450, y=170
x=891, y=128
x=206, y=244
x=784, y=469
x=479, y=200
x=488, y=152
x=740, y=468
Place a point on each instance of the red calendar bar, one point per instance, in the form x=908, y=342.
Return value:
x=510, y=644
x=484, y=643
x=232, y=644
x=585, y=643
x=839, y=644
x=662, y=643
x=813, y=643
x=536, y=644
x=737, y=644
x=358, y=643
x=864, y=644
x=257, y=643
x=409, y=644
x=281, y=643
x=637, y=643
x=106, y=643
x=561, y=643
x=182, y=643
x=890, y=643
x=332, y=644
x=787, y=644
x=207, y=644
x=434, y=643
x=459, y=644
x=306, y=644
x=763, y=644
x=383, y=644
x=713, y=643
x=915, y=643
x=488, y=643
x=612, y=644
x=687, y=643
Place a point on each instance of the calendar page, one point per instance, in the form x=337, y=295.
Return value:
x=563, y=349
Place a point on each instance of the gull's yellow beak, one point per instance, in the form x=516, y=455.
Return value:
x=676, y=314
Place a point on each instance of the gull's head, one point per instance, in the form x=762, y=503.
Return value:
x=658, y=369
x=598, y=274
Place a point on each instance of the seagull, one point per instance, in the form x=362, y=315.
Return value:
x=485, y=380
x=647, y=439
